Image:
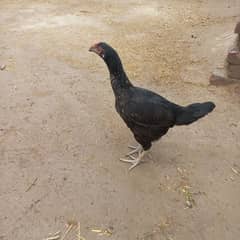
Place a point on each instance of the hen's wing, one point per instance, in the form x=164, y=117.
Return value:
x=147, y=108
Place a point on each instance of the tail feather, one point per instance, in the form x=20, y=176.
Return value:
x=193, y=112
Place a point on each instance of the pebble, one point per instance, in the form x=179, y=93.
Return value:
x=2, y=67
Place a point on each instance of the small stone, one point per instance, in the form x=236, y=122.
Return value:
x=237, y=28
x=189, y=204
x=233, y=71
x=2, y=67
x=233, y=56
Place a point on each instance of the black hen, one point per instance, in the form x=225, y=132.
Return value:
x=147, y=114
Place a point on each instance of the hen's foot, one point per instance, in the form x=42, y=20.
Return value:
x=138, y=149
x=134, y=160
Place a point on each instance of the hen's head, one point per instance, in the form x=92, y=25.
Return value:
x=110, y=57
x=103, y=50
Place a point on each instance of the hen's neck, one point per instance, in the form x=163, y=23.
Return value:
x=119, y=79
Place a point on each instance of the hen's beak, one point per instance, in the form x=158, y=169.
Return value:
x=94, y=48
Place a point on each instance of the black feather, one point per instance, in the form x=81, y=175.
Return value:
x=193, y=112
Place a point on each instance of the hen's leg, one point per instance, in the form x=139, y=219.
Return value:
x=134, y=160
x=138, y=149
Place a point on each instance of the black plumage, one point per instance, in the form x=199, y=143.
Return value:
x=147, y=114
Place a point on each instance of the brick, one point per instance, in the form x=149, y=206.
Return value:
x=237, y=28
x=233, y=56
x=233, y=71
x=219, y=78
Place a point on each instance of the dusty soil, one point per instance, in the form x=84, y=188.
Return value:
x=61, y=138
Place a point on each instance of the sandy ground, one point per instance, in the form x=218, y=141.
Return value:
x=61, y=137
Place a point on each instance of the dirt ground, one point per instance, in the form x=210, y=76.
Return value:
x=61, y=138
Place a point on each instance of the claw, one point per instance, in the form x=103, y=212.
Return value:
x=134, y=160
x=131, y=147
x=138, y=149
x=127, y=160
